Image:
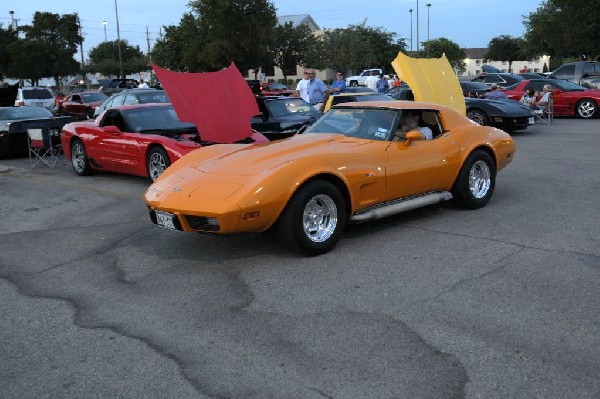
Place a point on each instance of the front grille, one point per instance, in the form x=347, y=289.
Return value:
x=202, y=223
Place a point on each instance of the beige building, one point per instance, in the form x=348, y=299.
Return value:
x=475, y=59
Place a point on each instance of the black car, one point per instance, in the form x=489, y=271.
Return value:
x=502, y=79
x=15, y=122
x=532, y=75
x=133, y=96
x=508, y=115
x=282, y=117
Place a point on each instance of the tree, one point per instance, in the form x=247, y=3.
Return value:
x=235, y=30
x=47, y=49
x=506, y=48
x=7, y=37
x=104, y=58
x=454, y=53
x=179, y=47
x=356, y=48
x=290, y=45
x=564, y=28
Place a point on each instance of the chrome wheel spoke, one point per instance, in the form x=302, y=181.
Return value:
x=319, y=218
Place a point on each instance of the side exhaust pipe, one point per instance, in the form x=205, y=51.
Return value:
x=400, y=206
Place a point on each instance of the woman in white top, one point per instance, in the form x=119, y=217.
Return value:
x=410, y=122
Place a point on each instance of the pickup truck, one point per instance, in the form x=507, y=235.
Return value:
x=584, y=73
x=359, y=80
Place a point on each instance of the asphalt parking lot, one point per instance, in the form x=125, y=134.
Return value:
x=500, y=302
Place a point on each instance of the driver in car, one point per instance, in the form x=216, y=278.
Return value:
x=411, y=121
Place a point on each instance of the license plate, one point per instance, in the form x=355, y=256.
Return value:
x=164, y=219
x=531, y=120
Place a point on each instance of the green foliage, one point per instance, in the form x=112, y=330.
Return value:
x=564, y=28
x=454, y=53
x=6, y=38
x=104, y=58
x=506, y=48
x=241, y=31
x=178, y=48
x=356, y=47
x=47, y=49
x=290, y=46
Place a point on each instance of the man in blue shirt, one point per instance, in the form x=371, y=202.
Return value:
x=495, y=93
x=339, y=85
x=316, y=89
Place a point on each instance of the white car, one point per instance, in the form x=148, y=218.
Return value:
x=36, y=97
x=359, y=80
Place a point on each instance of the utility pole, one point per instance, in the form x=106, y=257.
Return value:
x=428, y=44
x=119, y=42
x=149, y=55
x=81, y=48
x=411, y=37
x=417, y=25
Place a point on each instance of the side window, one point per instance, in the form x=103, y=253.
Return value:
x=565, y=72
x=114, y=118
x=365, y=73
x=118, y=101
x=588, y=68
x=76, y=99
x=130, y=100
x=431, y=119
x=537, y=86
x=493, y=79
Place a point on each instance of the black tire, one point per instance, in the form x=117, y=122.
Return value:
x=587, y=109
x=156, y=162
x=478, y=116
x=79, y=158
x=476, y=181
x=323, y=206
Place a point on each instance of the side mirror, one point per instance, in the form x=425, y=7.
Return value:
x=413, y=136
x=112, y=129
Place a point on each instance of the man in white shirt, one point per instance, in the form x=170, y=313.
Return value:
x=371, y=81
x=143, y=85
x=302, y=87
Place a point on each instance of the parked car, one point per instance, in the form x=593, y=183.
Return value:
x=111, y=86
x=502, y=79
x=282, y=117
x=507, y=115
x=15, y=122
x=275, y=89
x=141, y=140
x=584, y=73
x=132, y=96
x=532, y=75
x=36, y=97
x=570, y=99
x=81, y=105
x=360, y=80
x=347, y=167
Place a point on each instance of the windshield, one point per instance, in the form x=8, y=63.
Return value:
x=277, y=86
x=37, y=94
x=567, y=86
x=366, y=123
x=18, y=113
x=152, y=96
x=287, y=106
x=90, y=97
x=153, y=119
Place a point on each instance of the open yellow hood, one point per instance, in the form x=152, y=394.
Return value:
x=432, y=80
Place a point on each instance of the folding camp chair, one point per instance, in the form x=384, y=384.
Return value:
x=44, y=147
x=546, y=114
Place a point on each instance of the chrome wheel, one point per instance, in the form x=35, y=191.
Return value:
x=78, y=157
x=477, y=117
x=156, y=164
x=319, y=218
x=586, y=109
x=479, y=179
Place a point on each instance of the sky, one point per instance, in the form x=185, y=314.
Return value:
x=469, y=23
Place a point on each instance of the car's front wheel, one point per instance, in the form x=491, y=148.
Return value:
x=314, y=219
x=79, y=158
x=158, y=161
x=587, y=109
x=475, y=183
x=478, y=116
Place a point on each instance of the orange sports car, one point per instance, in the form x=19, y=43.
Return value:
x=359, y=162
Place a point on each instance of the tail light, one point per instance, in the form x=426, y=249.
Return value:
x=20, y=103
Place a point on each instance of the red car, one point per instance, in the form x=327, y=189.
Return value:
x=570, y=99
x=81, y=105
x=275, y=89
x=141, y=140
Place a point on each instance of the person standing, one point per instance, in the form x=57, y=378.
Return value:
x=371, y=81
x=143, y=85
x=316, y=89
x=339, y=85
x=302, y=87
x=382, y=84
x=495, y=93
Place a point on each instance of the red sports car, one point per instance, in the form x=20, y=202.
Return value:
x=570, y=99
x=141, y=140
x=81, y=105
x=275, y=89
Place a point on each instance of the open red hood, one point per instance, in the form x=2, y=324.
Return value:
x=220, y=103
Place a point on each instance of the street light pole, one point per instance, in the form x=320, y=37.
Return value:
x=417, y=25
x=411, y=39
x=104, y=23
x=119, y=42
x=428, y=7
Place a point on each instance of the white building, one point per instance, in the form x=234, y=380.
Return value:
x=475, y=59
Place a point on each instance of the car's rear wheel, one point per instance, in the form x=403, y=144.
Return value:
x=79, y=158
x=478, y=116
x=587, y=109
x=158, y=161
x=475, y=183
x=314, y=219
